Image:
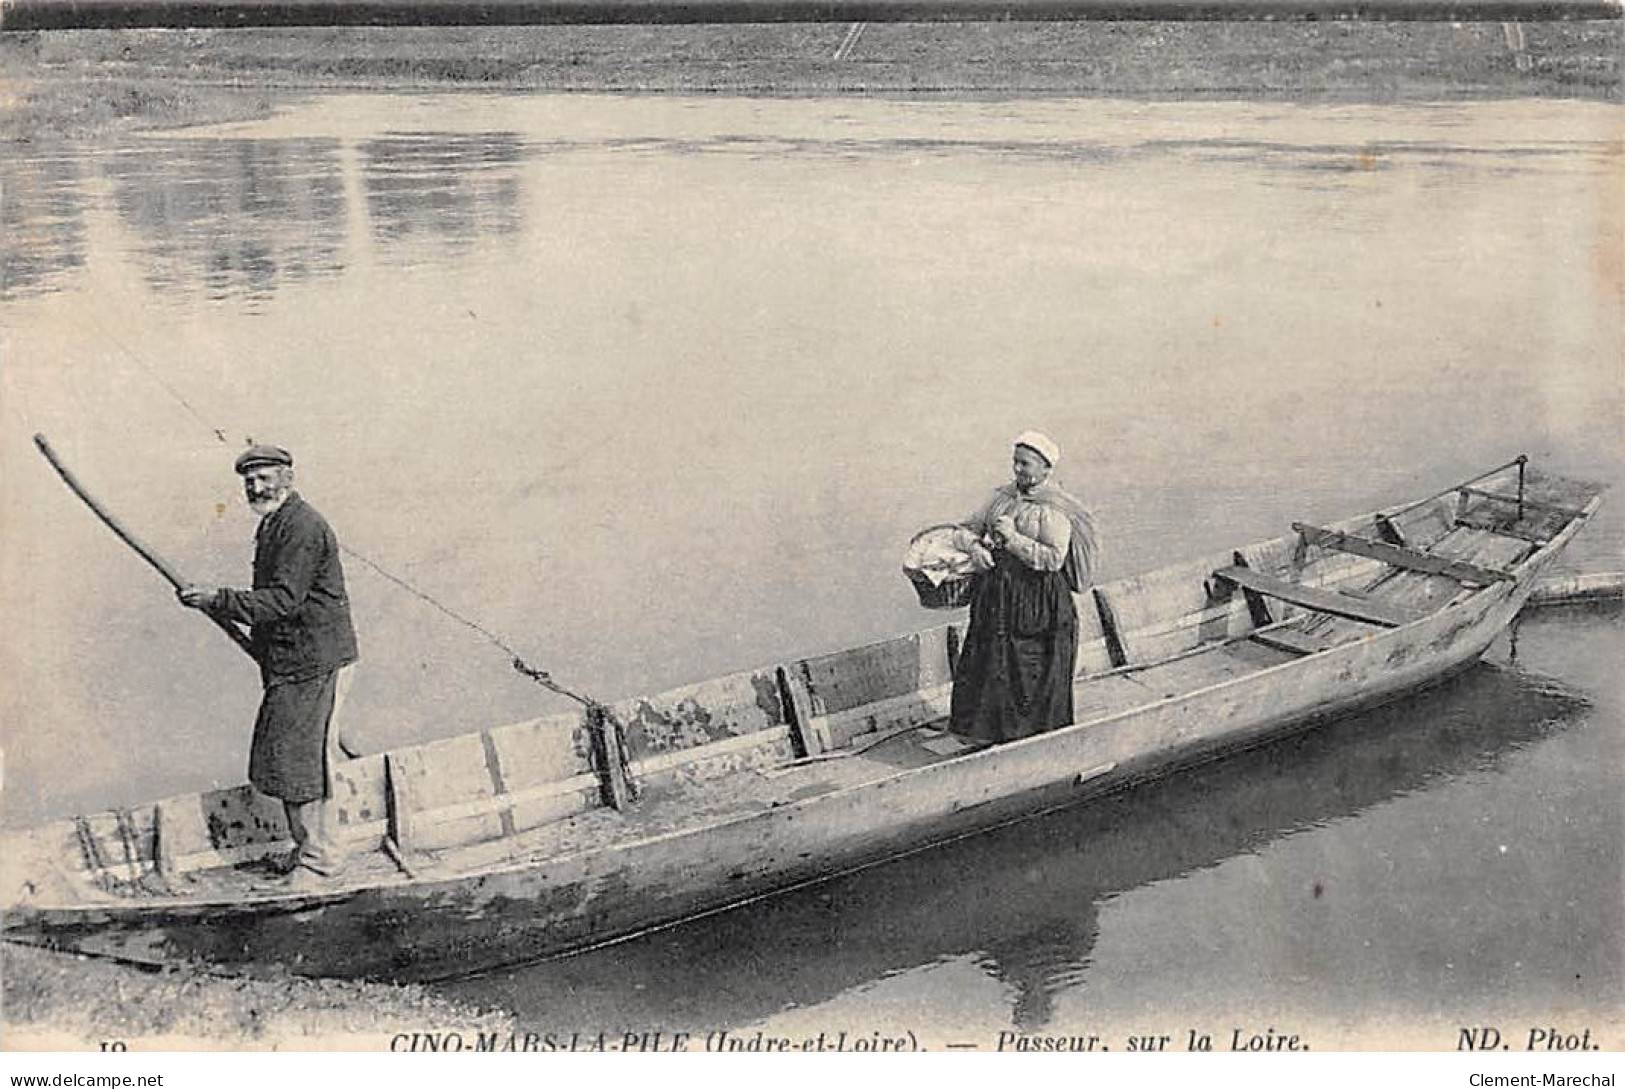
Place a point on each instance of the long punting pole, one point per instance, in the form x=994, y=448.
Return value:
x=129, y=14
x=141, y=548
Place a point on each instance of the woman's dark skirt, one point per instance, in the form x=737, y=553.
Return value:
x=1014, y=677
x=288, y=758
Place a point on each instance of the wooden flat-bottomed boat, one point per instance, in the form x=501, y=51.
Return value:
x=551, y=835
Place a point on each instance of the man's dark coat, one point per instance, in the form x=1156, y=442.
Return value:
x=298, y=611
x=300, y=631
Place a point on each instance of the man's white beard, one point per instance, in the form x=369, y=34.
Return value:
x=262, y=507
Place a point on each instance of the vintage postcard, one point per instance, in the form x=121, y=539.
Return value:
x=1079, y=536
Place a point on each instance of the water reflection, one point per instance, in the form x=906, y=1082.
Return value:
x=42, y=231
x=232, y=218
x=239, y=217
x=1041, y=964
x=1023, y=904
x=443, y=190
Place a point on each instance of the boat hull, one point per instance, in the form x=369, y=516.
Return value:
x=431, y=928
x=463, y=916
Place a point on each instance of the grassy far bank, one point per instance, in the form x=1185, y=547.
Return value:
x=54, y=1001
x=84, y=83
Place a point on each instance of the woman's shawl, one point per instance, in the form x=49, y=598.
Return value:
x=1083, y=551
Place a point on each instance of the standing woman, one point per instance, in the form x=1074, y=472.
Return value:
x=1034, y=545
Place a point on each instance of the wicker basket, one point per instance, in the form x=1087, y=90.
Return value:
x=951, y=594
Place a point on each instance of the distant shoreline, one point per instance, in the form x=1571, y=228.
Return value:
x=89, y=84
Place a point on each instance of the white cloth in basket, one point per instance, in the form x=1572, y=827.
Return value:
x=935, y=556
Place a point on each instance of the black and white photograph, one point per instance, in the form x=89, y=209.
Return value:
x=560, y=527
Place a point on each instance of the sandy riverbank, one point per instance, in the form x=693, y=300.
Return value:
x=54, y=1001
x=92, y=83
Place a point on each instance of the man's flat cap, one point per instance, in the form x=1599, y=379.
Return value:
x=255, y=456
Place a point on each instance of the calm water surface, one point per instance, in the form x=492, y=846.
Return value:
x=658, y=388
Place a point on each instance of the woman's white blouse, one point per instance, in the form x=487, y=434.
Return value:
x=1043, y=534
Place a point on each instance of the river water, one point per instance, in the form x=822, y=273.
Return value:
x=658, y=388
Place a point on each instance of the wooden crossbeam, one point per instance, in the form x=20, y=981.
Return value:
x=805, y=738
x=1389, y=529
x=1115, y=652
x=1532, y=504
x=607, y=758
x=1410, y=559
x=1257, y=607
x=397, y=806
x=1320, y=601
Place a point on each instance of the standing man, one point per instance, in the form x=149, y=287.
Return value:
x=300, y=631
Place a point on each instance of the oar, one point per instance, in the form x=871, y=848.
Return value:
x=141, y=548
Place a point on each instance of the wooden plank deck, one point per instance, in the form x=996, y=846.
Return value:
x=1292, y=640
x=1224, y=662
x=1526, y=502
x=1384, y=613
x=1098, y=697
x=1410, y=559
x=1550, y=503
x=688, y=803
x=1420, y=591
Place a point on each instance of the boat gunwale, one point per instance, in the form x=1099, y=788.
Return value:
x=288, y=901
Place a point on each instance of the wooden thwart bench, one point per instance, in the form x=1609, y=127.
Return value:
x=1380, y=613
x=1409, y=559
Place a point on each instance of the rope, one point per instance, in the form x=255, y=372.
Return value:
x=159, y=379
x=541, y=676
